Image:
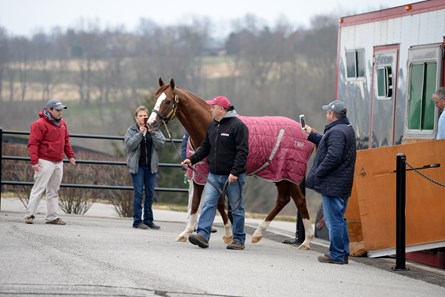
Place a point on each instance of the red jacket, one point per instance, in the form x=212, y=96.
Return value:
x=48, y=141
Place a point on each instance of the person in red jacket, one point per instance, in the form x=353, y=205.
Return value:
x=48, y=143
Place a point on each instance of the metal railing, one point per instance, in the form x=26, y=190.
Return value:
x=94, y=162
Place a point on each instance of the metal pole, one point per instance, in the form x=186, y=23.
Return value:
x=400, y=212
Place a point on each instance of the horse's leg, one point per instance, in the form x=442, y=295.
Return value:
x=195, y=191
x=228, y=237
x=282, y=200
x=300, y=203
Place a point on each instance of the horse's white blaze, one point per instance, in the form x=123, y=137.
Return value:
x=153, y=115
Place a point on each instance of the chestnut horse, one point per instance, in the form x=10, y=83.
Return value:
x=194, y=114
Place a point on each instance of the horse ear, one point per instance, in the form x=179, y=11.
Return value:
x=172, y=83
x=161, y=83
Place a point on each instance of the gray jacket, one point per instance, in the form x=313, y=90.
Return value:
x=133, y=140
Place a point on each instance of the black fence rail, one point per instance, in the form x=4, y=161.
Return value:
x=94, y=162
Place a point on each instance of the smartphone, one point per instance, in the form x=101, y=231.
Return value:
x=145, y=122
x=302, y=121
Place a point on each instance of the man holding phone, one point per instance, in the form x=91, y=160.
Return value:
x=332, y=174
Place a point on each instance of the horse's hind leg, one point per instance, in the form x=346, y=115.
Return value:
x=283, y=199
x=228, y=237
x=300, y=203
x=195, y=191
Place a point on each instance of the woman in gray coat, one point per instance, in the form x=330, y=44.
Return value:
x=142, y=162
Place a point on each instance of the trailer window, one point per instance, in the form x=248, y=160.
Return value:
x=384, y=82
x=355, y=63
x=421, y=88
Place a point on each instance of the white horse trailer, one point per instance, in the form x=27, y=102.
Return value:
x=389, y=63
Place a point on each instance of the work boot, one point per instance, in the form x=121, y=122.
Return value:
x=57, y=221
x=29, y=219
x=346, y=260
x=153, y=226
x=141, y=226
x=328, y=259
x=236, y=245
x=199, y=240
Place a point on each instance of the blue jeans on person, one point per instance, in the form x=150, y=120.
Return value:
x=236, y=200
x=334, y=215
x=143, y=180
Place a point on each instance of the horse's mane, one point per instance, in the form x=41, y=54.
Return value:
x=190, y=94
x=162, y=89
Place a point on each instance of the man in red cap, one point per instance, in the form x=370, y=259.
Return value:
x=226, y=146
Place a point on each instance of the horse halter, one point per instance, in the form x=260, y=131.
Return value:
x=172, y=113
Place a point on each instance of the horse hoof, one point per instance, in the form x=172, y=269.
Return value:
x=228, y=239
x=181, y=238
x=304, y=247
x=256, y=239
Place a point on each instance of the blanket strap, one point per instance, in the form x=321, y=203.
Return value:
x=196, y=173
x=272, y=154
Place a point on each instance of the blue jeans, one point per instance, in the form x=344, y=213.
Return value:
x=143, y=180
x=211, y=197
x=334, y=215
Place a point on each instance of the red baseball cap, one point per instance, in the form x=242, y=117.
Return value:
x=221, y=101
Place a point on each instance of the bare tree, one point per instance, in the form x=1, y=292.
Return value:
x=10, y=73
x=85, y=45
x=43, y=54
x=22, y=48
x=108, y=74
x=195, y=38
x=4, y=57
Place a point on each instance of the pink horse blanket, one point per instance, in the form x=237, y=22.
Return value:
x=278, y=150
x=202, y=167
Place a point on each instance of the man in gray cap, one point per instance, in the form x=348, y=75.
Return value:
x=332, y=175
x=48, y=143
x=56, y=104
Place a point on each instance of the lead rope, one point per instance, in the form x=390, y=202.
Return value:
x=226, y=184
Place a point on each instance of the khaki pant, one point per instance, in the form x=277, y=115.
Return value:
x=47, y=178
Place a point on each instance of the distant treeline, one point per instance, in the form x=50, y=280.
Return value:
x=264, y=70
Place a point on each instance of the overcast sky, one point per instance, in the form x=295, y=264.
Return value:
x=25, y=17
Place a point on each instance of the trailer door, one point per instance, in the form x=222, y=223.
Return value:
x=384, y=81
x=424, y=77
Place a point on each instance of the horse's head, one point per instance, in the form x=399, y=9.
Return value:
x=166, y=104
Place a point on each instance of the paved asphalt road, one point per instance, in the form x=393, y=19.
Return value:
x=104, y=256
